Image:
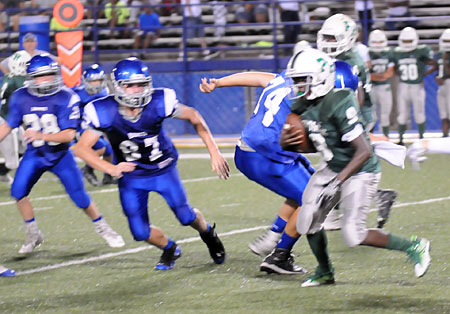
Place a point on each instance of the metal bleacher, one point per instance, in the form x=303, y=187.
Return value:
x=433, y=16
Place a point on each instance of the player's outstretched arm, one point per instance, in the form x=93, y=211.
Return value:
x=255, y=79
x=5, y=129
x=83, y=149
x=218, y=162
x=64, y=136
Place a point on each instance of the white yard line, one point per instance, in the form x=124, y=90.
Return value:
x=125, y=252
x=187, y=240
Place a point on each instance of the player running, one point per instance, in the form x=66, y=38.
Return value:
x=132, y=120
x=50, y=114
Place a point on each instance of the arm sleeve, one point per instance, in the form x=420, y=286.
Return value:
x=69, y=116
x=14, y=118
x=170, y=103
x=348, y=120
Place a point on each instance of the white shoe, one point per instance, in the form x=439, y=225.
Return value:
x=6, y=179
x=106, y=232
x=264, y=244
x=419, y=253
x=333, y=221
x=34, y=240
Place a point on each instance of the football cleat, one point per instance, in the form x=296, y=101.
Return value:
x=265, y=243
x=385, y=199
x=6, y=272
x=281, y=261
x=111, y=237
x=419, y=254
x=90, y=176
x=215, y=246
x=168, y=257
x=319, y=279
x=107, y=179
x=34, y=240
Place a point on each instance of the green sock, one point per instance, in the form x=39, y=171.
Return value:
x=401, y=131
x=398, y=243
x=421, y=127
x=386, y=131
x=318, y=243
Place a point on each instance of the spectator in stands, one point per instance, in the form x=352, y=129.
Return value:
x=135, y=11
x=29, y=43
x=46, y=6
x=399, y=8
x=193, y=17
x=10, y=17
x=90, y=10
x=117, y=14
x=251, y=13
x=364, y=8
x=220, y=18
x=289, y=12
x=149, y=28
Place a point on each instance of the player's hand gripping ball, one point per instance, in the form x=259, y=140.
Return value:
x=294, y=136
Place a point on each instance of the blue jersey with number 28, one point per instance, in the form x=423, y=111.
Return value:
x=47, y=114
x=143, y=141
x=262, y=132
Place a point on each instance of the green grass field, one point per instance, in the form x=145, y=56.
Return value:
x=74, y=271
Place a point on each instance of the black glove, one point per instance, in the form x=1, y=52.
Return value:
x=330, y=195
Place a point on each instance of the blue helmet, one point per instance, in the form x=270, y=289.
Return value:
x=92, y=74
x=132, y=71
x=346, y=76
x=43, y=65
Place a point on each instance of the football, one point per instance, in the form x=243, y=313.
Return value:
x=293, y=124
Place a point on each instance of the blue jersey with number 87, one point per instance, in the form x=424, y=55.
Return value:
x=142, y=141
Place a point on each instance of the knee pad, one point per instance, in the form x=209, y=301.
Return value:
x=80, y=198
x=353, y=236
x=141, y=234
x=185, y=215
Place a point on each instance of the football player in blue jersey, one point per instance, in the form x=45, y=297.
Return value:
x=260, y=158
x=94, y=87
x=146, y=157
x=50, y=114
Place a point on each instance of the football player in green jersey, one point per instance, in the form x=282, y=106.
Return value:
x=351, y=171
x=443, y=80
x=411, y=61
x=15, y=79
x=381, y=71
x=337, y=38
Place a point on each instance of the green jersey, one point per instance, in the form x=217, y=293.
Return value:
x=332, y=122
x=354, y=59
x=9, y=85
x=411, y=65
x=440, y=60
x=381, y=61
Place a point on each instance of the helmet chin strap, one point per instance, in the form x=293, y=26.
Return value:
x=130, y=113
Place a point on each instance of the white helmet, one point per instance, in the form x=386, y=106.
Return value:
x=377, y=40
x=444, y=41
x=17, y=63
x=312, y=69
x=337, y=35
x=301, y=45
x=408, y=39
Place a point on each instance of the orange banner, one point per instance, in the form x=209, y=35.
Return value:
x=69, y=13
